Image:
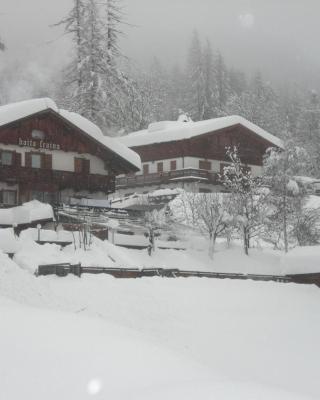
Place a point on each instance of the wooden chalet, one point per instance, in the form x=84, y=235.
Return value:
x=191, y=155
x=53, y=155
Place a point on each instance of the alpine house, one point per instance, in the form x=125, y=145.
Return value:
x=53, y=155
x=191, y=154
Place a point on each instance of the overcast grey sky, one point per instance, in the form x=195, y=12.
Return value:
x=280, y=37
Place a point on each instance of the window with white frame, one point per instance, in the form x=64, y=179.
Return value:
x=8, y=197
x=36, y=160
x=6, y=158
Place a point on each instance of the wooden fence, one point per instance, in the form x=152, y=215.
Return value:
x=134, y=273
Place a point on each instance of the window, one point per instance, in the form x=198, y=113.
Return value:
x=44, y=197
x=205, y=165
x=160, y=167
x=36, y=134
x=8, y=197
x=6, y=158
x=36, y=160
x=173, y=165
x=145, y=169
x=81, y=166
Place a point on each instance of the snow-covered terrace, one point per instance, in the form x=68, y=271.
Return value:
x=168, y=131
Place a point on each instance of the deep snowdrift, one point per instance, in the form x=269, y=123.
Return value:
x=156, y=338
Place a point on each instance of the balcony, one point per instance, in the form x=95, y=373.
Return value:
x=61, y=179
x=182, y=175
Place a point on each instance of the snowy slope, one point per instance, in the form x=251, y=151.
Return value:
x=168, y=131
x=156, y=338
x=61, y=356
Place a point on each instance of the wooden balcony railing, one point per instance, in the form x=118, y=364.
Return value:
x=183, y=175
x=62, y=179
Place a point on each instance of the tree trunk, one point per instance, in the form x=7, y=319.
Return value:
x=285, y=225
x=212, y=242
x=246, y=241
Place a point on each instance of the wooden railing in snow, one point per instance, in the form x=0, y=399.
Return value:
x=134, y=273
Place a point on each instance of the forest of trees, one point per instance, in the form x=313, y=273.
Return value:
x=99, y=82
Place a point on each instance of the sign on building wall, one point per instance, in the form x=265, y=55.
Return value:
x=39, y=144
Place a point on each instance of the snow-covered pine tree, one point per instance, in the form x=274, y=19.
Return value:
x=248, y=205
x=196, y=96
x=133, y=106
x=2, y=45
x=177, y=92
x=74, y=24
x=160, y=91
x=222, y=85
x=209, y=81
x=309, y=127
x=237, y=82
x=94, y=67
x=93, y=76
x=281, y=166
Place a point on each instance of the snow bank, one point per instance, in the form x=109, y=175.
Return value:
x=301, y=260
x=27, y=213
x=313, y=202
x=9, y=243
x=30, y=255
x=168, y=131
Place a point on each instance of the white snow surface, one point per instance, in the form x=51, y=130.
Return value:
x=168, y=131
x=15, y=111
x=154, y=338
x=29, y=212
x=301, y=260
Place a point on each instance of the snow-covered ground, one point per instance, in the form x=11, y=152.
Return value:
x=156, y=338
x=193, y=256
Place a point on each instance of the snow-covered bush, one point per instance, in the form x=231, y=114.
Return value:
x=306, y=227
x=207, y=212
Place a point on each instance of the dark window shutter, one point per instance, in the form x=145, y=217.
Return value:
x=173, y=165
x=78, y=165
x=86, y=168
x=48, y=161
x=27, y=159
x=17, y=159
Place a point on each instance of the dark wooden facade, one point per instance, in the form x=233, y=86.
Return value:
x=61, y=132
x=211, y=145
x=205, y=147
x=59, y=135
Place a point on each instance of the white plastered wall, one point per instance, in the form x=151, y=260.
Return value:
x=61, y=160
x=193, y=162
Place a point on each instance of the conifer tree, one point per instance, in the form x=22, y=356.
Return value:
x=281, y=167
x=222, y=85
x=74, y=24
x=2, y=45
x=210, y=82
x=196, y=80
x=248, y=205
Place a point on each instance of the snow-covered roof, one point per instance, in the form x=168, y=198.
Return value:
x=27, y=213
x=168, y=131
x=16, y=111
